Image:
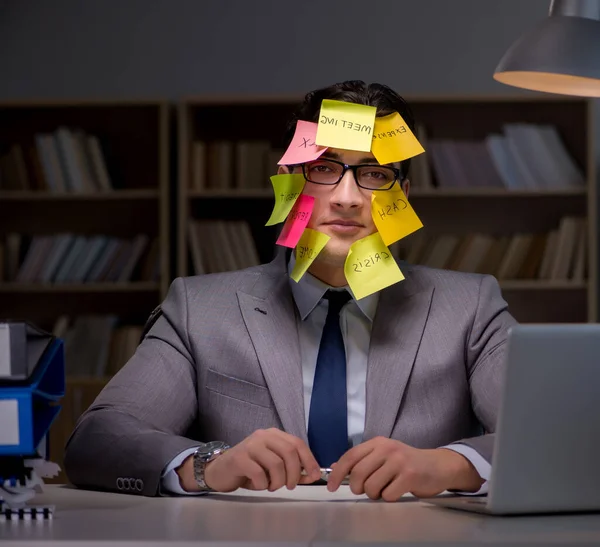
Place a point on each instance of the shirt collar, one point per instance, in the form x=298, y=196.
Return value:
x=309, y=291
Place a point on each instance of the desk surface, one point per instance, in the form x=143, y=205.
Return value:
x=297, y=518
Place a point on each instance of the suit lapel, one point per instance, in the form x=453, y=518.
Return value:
x=395, y=338
x=270, y=317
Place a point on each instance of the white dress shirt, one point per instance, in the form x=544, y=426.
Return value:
x=356, y=321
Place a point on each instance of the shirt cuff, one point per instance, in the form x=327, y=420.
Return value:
x=482, y=466
x=169, y=481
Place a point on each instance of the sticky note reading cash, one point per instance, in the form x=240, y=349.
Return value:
x=287, y=188
x=393, y=140
x=296, y=221
x=393, y=215
x=346, y=125
x=303, y=146
x=370, y=266
x=310, y=245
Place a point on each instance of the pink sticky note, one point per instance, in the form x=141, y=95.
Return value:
x=303, y=147
x=296, y=221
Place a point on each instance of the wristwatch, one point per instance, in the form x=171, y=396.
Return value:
x=205, y=453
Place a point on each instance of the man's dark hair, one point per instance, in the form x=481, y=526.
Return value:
x=385, y=99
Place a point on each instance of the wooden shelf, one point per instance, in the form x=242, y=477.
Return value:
x=542, y=285
x=136, y=287
x=121, y=195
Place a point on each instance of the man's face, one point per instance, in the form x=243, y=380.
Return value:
x=342, y=211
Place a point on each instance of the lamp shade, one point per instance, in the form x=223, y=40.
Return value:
x=560, y=55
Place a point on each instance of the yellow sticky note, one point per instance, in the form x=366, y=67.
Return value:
x=310, y=245
x=346, y=125
x=370, y=266
x=393, y=140
x=287, y=188
x=393, y=215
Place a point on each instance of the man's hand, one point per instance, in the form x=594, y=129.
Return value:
x=266, y=460
x=384, y=468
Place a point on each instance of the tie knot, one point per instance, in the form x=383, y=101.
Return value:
x=337, y=299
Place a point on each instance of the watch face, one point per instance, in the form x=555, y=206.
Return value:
x=210, y=447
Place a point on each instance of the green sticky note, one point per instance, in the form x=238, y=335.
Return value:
x=287, y=188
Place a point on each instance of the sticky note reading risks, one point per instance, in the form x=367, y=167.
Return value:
x=303, y=147
x=296, y=221
x=370, y=266
x=393, y=140
x=393, y=215
x=310, y=245
x=287, y=188
x=346, y=125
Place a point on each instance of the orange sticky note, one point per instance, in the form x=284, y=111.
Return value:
x=303, y=147
x=310, y=245
x=287, y=188
x=393, y=140
x=346, y=125
x=370, y=266
x=393, y=215
x=296, y=221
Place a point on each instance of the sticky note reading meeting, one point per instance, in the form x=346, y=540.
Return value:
x=346, y=125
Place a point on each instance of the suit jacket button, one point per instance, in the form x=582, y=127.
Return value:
x=139, y=485
x=120, y=483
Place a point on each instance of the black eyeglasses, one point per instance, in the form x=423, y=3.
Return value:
x=367, y=176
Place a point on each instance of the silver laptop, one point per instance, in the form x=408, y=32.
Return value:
x=547, y=449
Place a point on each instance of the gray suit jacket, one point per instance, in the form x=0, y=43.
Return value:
x=224, y=361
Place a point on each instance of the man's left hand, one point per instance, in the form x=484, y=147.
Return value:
x=388, y=469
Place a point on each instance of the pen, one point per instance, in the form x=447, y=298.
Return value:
x=325, y=472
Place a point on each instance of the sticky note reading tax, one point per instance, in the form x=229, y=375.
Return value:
x=310, y=245
x=346, y=125
x=303, y=147
x=393, y=140
x=296, y=221
x=287, y=188
x=393, y=215
x=370, y=266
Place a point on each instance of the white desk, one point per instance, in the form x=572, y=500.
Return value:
x=248, y=519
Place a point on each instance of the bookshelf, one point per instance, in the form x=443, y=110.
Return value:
x=467, y=207
x=118, y=194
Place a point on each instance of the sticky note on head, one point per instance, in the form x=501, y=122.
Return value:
x=303, y=147
x=346, y=125
x=310, y=245
x=296, y=221
x=370, y=266
x=287, y=188
x=393, y=215
x=393, y=140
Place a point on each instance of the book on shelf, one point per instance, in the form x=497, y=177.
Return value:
x=96, y=346
x=72, y=258
x=237, y=165
x=523, y=156
x=559, y=255
x=220, y=246
x=65, y=161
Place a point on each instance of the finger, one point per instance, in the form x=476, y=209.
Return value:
x=273, y=465
x=364, y=469
x=345, y=464
x=307, y=459
x=287, y=451
x=395, y=489
x=378, y=480
x=256, y=476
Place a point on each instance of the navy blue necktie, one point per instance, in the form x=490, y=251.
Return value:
x=328, y=417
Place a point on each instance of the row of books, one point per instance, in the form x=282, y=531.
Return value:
x=96, y=346
x=220, y=246
x=522, y=157
x=227, y=164
x=558, y=255
x=71, y=258
x=63, y=161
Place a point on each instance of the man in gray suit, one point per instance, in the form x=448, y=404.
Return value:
x=235, y=384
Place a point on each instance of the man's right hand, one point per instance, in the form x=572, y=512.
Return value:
x=266, y=460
